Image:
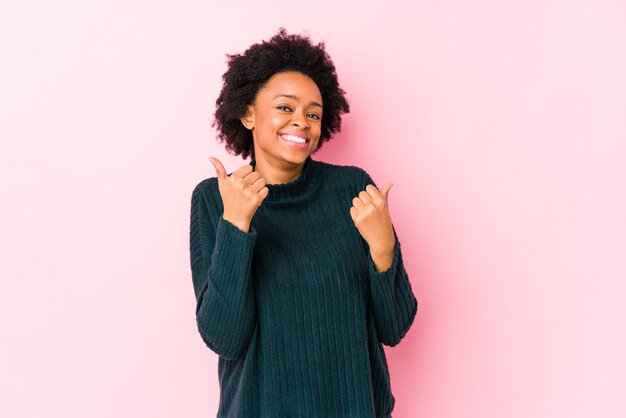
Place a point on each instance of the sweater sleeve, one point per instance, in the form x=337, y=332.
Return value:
x=393, y=303
x=221, y=258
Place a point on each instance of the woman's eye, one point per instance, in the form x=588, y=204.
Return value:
x=314, y=115
x=285, y=108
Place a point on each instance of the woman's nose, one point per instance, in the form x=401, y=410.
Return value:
x=299, y=119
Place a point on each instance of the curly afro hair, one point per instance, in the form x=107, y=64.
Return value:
x=247, y=73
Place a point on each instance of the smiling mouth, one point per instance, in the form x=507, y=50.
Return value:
x=294, y=138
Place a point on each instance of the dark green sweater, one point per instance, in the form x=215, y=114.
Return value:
x=294, y=308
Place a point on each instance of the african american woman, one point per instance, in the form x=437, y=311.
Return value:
x=297, y=269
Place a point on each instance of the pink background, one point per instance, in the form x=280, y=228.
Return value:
x=501, y=123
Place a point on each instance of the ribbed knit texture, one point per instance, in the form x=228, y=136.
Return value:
x=294, y=308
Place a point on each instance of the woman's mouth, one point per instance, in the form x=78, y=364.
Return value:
x=295, y=140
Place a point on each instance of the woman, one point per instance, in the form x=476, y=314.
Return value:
x=297, y=270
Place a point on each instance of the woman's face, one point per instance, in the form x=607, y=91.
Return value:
x=286, y=119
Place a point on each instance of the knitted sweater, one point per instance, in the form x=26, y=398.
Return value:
x=295, y=308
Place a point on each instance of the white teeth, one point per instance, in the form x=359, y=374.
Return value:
x=294, y=138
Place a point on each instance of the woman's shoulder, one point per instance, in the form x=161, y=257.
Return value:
x=205, y=185
x=206, y=190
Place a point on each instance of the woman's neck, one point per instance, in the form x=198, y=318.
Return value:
x=276, y=173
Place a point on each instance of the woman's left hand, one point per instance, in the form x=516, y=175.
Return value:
x=370, y=213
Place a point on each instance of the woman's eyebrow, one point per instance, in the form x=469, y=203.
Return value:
x=291, y=96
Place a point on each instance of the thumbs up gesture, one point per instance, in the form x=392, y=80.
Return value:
x=370, y=213
x=242, y=193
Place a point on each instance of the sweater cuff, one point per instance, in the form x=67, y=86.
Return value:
x=391, y=271
x=233, y=229
x=232, y=254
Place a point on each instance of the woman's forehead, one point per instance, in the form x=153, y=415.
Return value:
x=292, y=85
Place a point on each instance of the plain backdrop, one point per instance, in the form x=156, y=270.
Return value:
x=501, y=124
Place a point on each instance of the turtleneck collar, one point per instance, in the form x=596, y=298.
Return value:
x=297, y=188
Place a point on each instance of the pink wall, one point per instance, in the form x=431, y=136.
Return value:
x=502, y=125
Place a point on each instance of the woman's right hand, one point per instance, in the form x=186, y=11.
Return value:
x=242, y=193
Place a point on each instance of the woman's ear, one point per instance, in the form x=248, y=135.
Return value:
x=248, y=118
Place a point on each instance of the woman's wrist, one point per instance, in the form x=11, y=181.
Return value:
x=382, y=259
x=241, y=224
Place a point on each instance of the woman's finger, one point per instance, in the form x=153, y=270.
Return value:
x=243, y=171
x=219, y=168
x=357, y=203
x=252, y=177
x=258, y=184
x=365, y=198
x=264, y=192
x=353, y=213
x=373, y=192
x=385, y=190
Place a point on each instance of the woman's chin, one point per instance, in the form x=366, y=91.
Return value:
x=297, y=156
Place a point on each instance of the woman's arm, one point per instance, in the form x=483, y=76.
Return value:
x=221, y=257
x=394, y=305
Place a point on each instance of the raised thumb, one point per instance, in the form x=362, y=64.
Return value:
x=219, y=168
x=385, y=190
